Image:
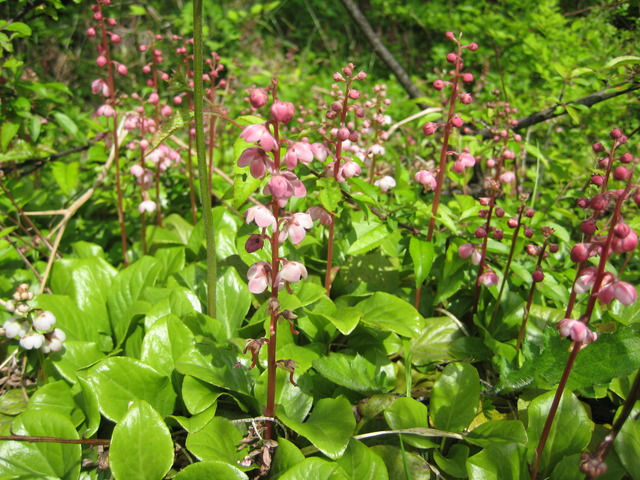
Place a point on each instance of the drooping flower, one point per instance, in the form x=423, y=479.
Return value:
x=292, y=272
x=259, y=276
x=261, y=215
x=44, y=321
x=259, y=133
x=385, y=183
x=319, y=213
x=295, y=227
x=426, y=178
x=257, y=160
x=298, y=152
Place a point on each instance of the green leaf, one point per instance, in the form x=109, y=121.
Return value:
x=66, y=123
x=454, y=462
x=22, y=29
x=356, y=373
x=395, y=460
x=315, y=469
x=75, y=356
x=126, y=288
x=8, y=131
x=210, y=471
x=66, y=176
x=287, y=455
x=330, y=193
x=329, y=427
x=233, y=301
x=69, y=318
x=56, y=397
x=360, y=462
x=295, y=401
x=141, y=445
x=498, y=431
x=12, y=402
x=627, y=444
x=217, y=366
x=455, y=397
x=622, y=61
x=179, y=119
x=165, y=342
x=434, y=342
x=498, y=462
x=218, y=441
x=198, y=395
x=422, y=253
x=389, y=312
x=370, y=240
x=570, y=432
x=38, y=460
x=409, y=413
x=121, y=380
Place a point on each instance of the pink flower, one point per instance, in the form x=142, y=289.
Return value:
x=292, y=272
x=147, y=206
x=258, y=97
x=586, y=279
x=625, y=293
x=262, y=216
x=100, y=86
x=346, y=170
x=257, y=159
x=488, y=279
x=426, y=178
x=154, y=98
x=261, y=134
x=259, y=276
x=295, y=227
x=298, y=152
x=625, y=244
x=106, y=111
x=385, y=183
x=320, y=151
x=507, y=177
x=467, y=250
x=319, y=213
x=577, y=331
x=282, y=112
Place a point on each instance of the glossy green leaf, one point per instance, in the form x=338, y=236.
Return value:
x=217, y=441
x=570, y=432
x=389, y=312
x=66, y=123
x=121, y=380
x=12, y=402
x=409, y=413
x=422, y=253
x=22, y=29
x=56, y=397
x=370, y=240
x=395, y=460
x=360, y=462
x=356, y=373
x=233, y=301
x=315, y=469
x=211, y=471
x=74, y=356
x=329, y=427
x=294, y=400
x=498, y=462
x=41, y=460
x=498, y=431
x=141, y=445
x=198, y=395
x=7, y=132
x=165, y=342
x=66, y=176
x=87, y=400
x=454, y=463
x=126, y=288
x=627, y=445
x=434, y=343
x=622, y=60
x=286, y=456
x=455, y=397
x=217, y=366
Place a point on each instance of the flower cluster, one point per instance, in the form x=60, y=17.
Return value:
x=33, y=327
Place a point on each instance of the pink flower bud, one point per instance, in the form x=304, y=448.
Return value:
x=354, y=94
x=473, y=47
x=154, y=98
x=537, y=276
x=91, y=32
x=621, y=173
x=450, y=36
x=512, y=223
x=279, y=187
x=177, y=100
x=579, y=253
x=626, y=158
x=146, y=69
x=625, y=293
x=342, y=134
x=467, y=77
x=122, y=69
x=258, y=97
x=615, y=134
x=588, y=227
x=282, y=112
x=429, y=128
x=597, y=180
x=465, y=250
x=456, y=122
x=452, y=57
x=480, y=232
x=101, y=61
x=426, y=178
x=599, y=202
x=598, y=147
x=465, y=98
x=500, y=212
x=438, y=84
x=166, y=110
x=488, y=279
x=528, y=232
x=254, y=243
x=115, y=38
x=498, y=234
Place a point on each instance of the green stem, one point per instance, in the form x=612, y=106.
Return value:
x=205, y=197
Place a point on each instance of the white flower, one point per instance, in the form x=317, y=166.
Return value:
x=385, y=183
x=32, y=341
x=147, y=206
x=44, y=321
x=14, y=327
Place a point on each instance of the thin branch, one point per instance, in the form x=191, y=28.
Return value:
x=31, y=439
